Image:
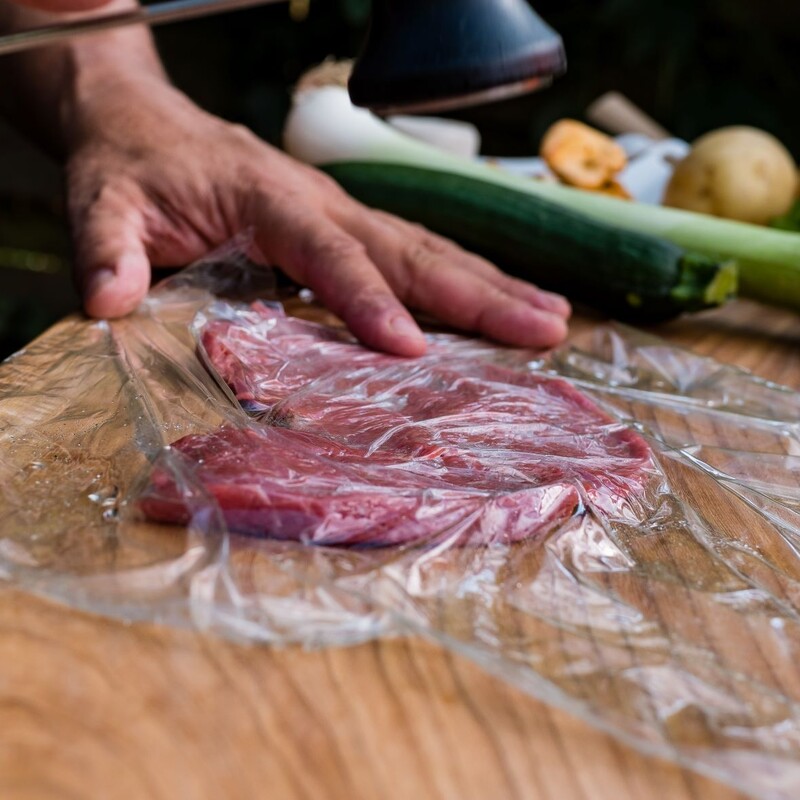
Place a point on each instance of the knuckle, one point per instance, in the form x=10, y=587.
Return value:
x=240, y=130
x=419, y=230
x=108, y=195
x=420, y=257
x=340, y=248
x=491, y=271
x=438, y=244
x=274, y=207
x=243, y=134
x=434, y=241
x=389, y=220
x=274, y=199
x=100, y=201
x=368, y=302
x=325, y=182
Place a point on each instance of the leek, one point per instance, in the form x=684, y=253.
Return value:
x=324, y=128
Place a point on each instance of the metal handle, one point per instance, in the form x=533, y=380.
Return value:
x=158, y=14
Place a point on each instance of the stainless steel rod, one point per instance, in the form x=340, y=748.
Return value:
x=157, y=14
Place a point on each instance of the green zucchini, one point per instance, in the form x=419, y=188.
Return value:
x=619, y=272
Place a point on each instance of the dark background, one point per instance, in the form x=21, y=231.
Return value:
x=693, y=65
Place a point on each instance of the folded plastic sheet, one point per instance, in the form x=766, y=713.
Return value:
x=657, y=599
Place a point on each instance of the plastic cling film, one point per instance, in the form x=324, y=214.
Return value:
x=612, y=527
x=354, y=447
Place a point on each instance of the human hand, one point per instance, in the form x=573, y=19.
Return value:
x=155, y=180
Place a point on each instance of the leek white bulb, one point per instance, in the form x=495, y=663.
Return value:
x=449, y=135
x=324, y=126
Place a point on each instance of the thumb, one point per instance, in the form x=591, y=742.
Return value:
x=112, y=267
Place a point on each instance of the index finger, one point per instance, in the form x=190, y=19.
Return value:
x=319, y=254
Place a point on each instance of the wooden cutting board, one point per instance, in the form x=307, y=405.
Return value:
x=93, y=708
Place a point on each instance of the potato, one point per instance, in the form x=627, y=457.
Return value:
x=738, y=172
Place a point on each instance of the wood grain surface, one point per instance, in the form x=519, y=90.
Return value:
x=92, y=708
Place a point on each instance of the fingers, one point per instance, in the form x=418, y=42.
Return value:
x=470, y=302
x=113, y=269
x=460, y=289
x=539, y=298
x=319, y=254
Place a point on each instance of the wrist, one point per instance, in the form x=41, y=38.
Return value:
x=98, y=71
x=96, y=100
x=61, y=90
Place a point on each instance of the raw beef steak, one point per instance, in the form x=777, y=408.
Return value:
x=359, y=447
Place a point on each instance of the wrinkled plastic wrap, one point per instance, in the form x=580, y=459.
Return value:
x=613, y=527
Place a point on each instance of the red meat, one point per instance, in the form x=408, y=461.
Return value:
x=366, y=448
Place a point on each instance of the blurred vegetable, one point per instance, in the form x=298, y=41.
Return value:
x=324, y=128
x=790, y=221
x=739, y=173
x=450, y=135
x=581, y=156
x=622, y=273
